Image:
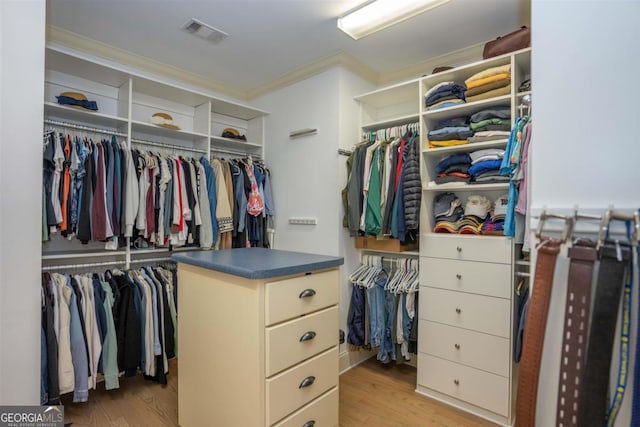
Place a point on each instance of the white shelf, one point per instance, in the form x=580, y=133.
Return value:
x=460, y=74
x=74, y=115
x=465, y=148
x=235, y=144
x=394, y=121
x=390, y=95
x=151, y=129
x=467, y=236
x=461, y=186
x=467, y=109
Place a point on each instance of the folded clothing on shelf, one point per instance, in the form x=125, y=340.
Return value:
x=488, y=80
x=442, y=93
x=491, y=119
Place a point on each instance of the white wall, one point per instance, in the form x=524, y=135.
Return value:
x=22, y=39
x=585, y=67
x=305, y=170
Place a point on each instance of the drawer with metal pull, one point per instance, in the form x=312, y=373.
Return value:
x=474, y=386
x=290, y=342
x=474, y=349
x=291, y=389
x=466, y=248
x=322, y=412
x=467, y=276
x=296, y=296
x=476, y=312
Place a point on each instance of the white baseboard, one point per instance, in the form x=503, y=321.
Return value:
x=350, y=359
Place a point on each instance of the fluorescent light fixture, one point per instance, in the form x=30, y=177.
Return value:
x=379, y=14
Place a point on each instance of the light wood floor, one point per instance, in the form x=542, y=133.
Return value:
x=371, y=395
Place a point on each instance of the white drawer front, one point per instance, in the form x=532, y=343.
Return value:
x=467, y=248
x=467, y=276
x=477, y=387
x=475, y=349
x=289, y=298
x=284, y=347
x=476, y=312
x=322, y=412
x=286, y=393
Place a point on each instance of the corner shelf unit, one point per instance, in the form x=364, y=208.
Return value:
x=127, y=99
x=466, y=282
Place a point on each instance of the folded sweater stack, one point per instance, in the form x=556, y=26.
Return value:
x=489, y=83
x=445, y=94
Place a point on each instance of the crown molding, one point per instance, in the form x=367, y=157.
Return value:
x=338, y=59
x=69, y=39
x=456, y=58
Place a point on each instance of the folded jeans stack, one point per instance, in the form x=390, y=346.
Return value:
x=453, y=168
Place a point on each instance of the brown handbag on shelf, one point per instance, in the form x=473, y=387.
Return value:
x=519, y=39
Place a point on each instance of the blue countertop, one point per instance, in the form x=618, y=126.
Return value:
x=258, y=263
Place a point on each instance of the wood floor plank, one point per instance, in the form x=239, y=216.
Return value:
x=371, y=394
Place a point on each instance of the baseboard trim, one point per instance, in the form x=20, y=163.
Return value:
x=351, y=359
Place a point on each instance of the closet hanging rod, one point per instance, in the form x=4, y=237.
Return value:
x=143, y=260
x=168, y=146
x=82, y=255
x=236, y=153
x=84, y=265
x=343, y=152
x=81, y=127
x=103, y=264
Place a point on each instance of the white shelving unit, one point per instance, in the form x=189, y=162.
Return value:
x=126, y=102
x=466, y=332
x=466, y=282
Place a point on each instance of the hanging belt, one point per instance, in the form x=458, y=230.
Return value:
x=614, y=259
x=635, y=407
x=534, y=333
x=583, y=255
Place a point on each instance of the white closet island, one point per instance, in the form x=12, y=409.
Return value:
x=258, y=338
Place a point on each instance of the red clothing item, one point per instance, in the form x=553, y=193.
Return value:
x=99, y=208
x=180, y=178
x=400, y=163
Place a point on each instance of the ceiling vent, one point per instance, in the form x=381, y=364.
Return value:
x=204, y=31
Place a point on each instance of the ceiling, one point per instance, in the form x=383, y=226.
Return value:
x=270, y=38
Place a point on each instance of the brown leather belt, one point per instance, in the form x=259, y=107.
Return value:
x=583, y=255
x=534, y=332
x=614, y=259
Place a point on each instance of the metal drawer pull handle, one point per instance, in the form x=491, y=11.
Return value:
x=309, y=423
x=459, y=249
x=308, y=336
x=457, y=346
x=307, y=381
x=307, y=293
x=456, y=382
x=458, y=310
x=458, y=276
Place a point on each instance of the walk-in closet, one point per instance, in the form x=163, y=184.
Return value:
x=267, y=213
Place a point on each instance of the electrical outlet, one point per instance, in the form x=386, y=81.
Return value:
x=303, y=221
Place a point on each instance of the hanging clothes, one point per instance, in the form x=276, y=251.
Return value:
x=104, y=191
x=106, y=324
